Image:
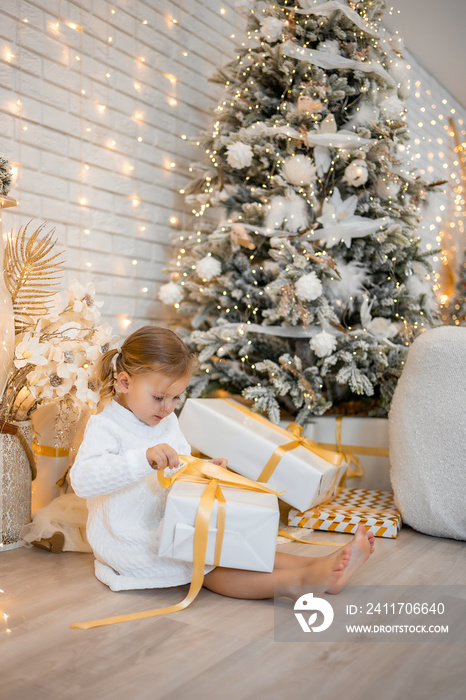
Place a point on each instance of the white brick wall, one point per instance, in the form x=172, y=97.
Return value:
x=62, y=142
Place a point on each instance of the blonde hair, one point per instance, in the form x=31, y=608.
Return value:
x=148, y=349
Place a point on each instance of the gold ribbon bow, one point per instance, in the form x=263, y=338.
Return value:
x=199, y=471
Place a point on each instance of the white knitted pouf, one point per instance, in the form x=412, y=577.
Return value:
x=427, y=434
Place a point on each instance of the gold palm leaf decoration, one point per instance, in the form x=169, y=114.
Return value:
x=31, y=269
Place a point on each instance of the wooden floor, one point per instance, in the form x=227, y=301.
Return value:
x=218, y=648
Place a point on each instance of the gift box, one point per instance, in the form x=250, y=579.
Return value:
x=250, y=530
x=305, y=474
x=352, y=507
x=365, y=437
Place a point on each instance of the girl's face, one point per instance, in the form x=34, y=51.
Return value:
x=151, y=396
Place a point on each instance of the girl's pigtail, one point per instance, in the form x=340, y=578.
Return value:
x=105, y=373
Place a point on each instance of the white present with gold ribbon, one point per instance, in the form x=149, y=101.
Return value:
x=249, y=534
x=363, y=436
x=352, y=507
x=305, y=473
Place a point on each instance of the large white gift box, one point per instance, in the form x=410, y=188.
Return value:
x=365, y=437
x=251, y=526
x=223, y=428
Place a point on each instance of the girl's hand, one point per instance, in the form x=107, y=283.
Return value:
x=161, y=456
x=220, y=462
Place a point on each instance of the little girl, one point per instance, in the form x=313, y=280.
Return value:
x=138, y=433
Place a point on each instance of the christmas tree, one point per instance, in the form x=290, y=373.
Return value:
x=5, y=177
x=303, y=283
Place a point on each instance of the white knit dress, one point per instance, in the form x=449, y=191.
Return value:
x=125, y=500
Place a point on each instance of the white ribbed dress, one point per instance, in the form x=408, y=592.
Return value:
x=125, y=500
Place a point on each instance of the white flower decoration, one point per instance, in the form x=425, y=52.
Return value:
x=381, y=328
x=208, y=267
x=85, y=390
x=30, y=351
x=239, y=155
x=340, y=223
x=308, y=287
x=323, y=344
x=82, y=299
x=170, y=293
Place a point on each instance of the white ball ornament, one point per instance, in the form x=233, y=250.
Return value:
x=170, y=293
x=239, y=155
x=323, y=344
x=208, y=267
x=308, y=287
x=385, y=188
x=356, y=173
x=299, y=170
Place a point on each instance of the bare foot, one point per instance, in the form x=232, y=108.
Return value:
x=328, y=570
x=359, y=551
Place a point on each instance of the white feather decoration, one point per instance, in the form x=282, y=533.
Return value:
x=351, y=285
x=287, y=213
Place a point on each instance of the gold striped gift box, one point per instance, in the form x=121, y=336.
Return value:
x=352, y=507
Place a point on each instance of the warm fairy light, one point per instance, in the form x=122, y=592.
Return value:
x=223, y=11
x=101, y=108
x=144, y=21
x=73, y=25
x=55, y=26
x=172, y=165
x=145, y=290
x=9, y=56
x=136, y=201
x=139, y=139
x=83, y=201
x=173, y=220
x=137, y=86
x=110, y=39
x=134, y=262
x=172, y=102
x=138, y=115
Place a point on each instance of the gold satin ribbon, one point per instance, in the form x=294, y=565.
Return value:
x=288, y=536
x=49, y=451
x=350, y=451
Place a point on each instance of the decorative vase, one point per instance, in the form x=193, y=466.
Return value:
x=17, y=470
x=7, y=323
